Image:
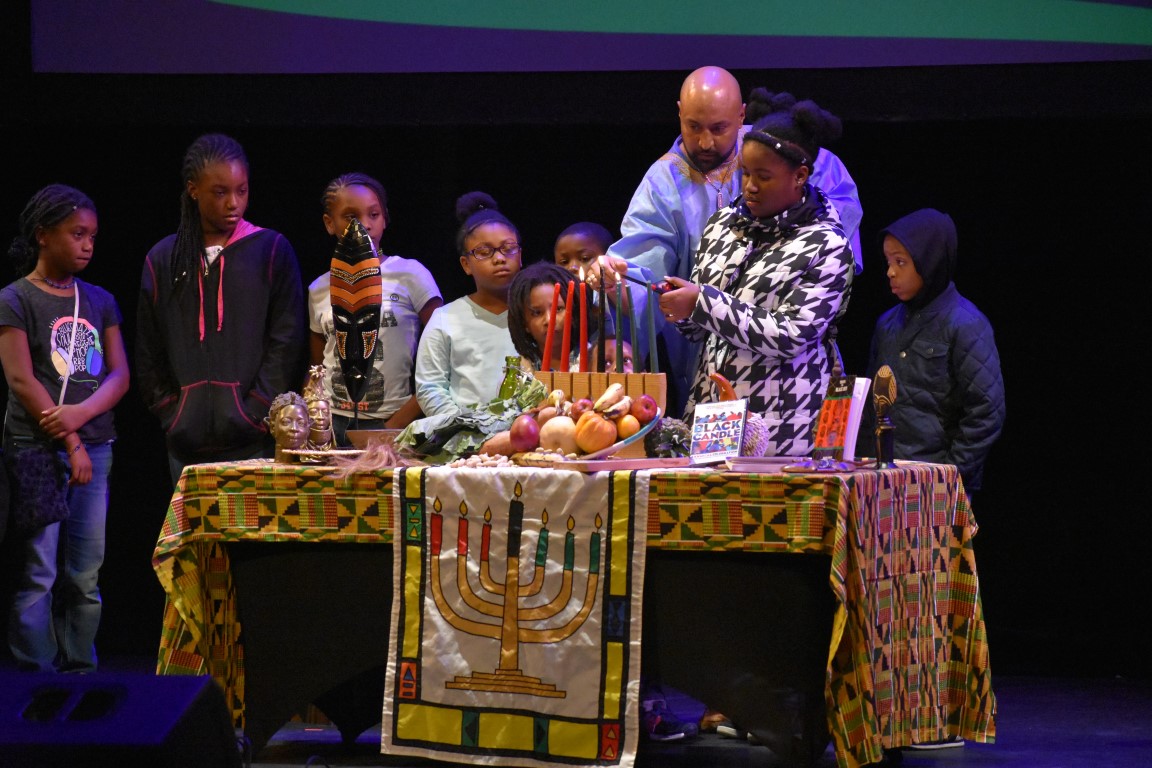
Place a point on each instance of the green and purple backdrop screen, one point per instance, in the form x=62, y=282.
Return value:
x=381, y=36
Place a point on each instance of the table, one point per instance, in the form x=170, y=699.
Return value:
x=906, y=659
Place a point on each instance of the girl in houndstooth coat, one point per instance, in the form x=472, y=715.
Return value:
x=770, y=280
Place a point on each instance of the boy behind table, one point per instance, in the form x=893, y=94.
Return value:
x=949, y=405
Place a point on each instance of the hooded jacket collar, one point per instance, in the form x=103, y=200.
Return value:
x=930, y=238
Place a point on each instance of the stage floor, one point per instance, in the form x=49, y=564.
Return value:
x=1041, y=723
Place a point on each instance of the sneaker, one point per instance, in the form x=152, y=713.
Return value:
x=729, y=729
x=661, y=725
x=948, y=743
x=710, y=719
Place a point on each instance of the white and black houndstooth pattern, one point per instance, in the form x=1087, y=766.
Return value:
x=771, y=292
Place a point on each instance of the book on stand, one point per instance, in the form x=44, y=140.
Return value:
x=717, y=430
x=839, y=421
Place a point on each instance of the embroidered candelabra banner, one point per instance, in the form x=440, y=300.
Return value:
x=515, y=634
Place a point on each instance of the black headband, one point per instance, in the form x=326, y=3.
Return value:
x=786, y=149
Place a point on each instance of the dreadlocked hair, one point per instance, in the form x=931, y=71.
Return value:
x=204, y=151
x=47, y=208
x=519, y=293
x=353, y=179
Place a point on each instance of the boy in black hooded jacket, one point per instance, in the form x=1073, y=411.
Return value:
x=949, y=405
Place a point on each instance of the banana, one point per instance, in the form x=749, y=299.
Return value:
x=618, y=408
x=611, y=396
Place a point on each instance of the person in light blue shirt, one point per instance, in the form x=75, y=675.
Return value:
x=697, y=176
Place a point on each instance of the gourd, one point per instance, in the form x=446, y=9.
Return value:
x=594, y=432
x=755, y=440
x=558, y=434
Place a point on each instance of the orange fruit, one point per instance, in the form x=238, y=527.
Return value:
x=627, y=425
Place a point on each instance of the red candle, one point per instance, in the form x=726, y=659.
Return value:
x=547, y=364
x=462, y=537
x=583, y=323
x=566, y=342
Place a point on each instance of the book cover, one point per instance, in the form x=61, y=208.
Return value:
x=861, y=386
x=839, y=419
x=717, y=430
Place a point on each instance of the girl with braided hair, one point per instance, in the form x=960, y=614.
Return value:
x=408, y=297
x=220, y=318
x=530, y=303
x=64, y=360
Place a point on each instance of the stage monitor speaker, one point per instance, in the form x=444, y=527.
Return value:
x=103, y=719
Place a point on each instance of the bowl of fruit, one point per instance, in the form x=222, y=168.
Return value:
x=584, y=428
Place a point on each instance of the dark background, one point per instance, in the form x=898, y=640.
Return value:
x=1046, y=169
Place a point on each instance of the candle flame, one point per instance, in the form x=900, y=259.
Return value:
x=582, y=274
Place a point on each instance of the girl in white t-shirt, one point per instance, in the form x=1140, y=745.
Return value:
x=409, y=295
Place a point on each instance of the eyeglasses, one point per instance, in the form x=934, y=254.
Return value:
x=482, y=252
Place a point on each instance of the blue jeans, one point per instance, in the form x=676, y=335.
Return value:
x=56, y=605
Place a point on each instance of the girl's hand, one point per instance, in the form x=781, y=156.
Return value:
x=60, y=421
x=677, y=302
x=81, y=466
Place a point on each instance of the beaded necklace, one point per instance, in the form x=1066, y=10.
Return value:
x=53, y=283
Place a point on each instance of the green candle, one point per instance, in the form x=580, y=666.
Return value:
x=634, y=323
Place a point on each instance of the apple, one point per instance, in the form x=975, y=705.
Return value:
x=524, y=433
x=579, y=407
x=644, y=408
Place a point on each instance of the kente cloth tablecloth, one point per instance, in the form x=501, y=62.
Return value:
x=214, y=504
x=515, y=636
x=908, y=660
x=909, y=654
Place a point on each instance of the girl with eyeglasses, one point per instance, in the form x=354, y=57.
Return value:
x=460, y=361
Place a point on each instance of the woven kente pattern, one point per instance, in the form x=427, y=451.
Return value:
x=743, y=512
x=247, y=501
x=910, y=652
x=908, y=660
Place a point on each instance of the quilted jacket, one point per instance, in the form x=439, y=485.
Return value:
x=949, y=405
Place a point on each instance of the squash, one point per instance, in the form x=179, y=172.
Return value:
x=594, y=432
x=754, y=441
x=727, y=391
x=558, y=434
